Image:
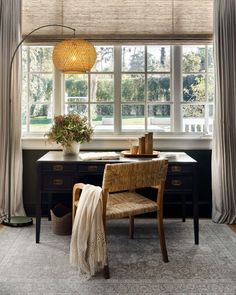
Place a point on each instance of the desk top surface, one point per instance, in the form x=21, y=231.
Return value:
x=173, y=157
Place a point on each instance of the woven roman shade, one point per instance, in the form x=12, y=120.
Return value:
x=173, y=20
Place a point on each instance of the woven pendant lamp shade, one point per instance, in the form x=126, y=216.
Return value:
x=74, y=56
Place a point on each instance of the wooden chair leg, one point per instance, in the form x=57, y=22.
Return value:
x=183, y=207
x=106, y=272
x=162, y=237
x=131, y=227
x=49, y=206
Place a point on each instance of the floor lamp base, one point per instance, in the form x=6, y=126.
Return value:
x=18, y=221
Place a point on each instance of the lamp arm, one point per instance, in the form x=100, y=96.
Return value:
x=39, y=28
x=10, y=103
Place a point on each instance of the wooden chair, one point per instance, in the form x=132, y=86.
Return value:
x=121, y=200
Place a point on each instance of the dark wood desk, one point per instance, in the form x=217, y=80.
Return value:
x=58, y=174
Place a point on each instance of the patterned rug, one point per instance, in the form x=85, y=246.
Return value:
x=136, y=266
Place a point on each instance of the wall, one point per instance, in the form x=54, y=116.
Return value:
x=172, y=205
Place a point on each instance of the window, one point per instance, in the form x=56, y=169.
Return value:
x=198, y=89
x=37, y=89
x=145, y=88
x=92, y=94
x=130, y=89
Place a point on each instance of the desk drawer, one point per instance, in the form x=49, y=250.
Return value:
x=178, y=169
x=91, y=168
x=57, y=182
x=58, y=167
x=179, y=183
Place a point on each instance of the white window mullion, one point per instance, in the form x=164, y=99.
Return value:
x=28, y=92
x=117, y=89
x=58, y=91
x=177, y=88
x=146, y=92
x=206, y=125
x=89, y=99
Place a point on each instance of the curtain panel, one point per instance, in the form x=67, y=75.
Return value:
x=224, y=138
x=10, y=35
x=170, y=20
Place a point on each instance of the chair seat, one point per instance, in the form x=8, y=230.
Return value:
x=126, y=204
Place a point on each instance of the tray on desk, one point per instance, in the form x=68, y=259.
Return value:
x=155, y=154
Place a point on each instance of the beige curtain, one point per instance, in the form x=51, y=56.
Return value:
x=10, y=35
x=224, y=141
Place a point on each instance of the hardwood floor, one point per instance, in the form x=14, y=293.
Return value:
x=233, y=227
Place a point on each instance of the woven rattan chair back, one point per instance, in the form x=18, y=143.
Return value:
x=130, y=176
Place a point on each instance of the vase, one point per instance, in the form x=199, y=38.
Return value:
x=72, y=149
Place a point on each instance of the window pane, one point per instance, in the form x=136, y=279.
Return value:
x=133, y=58
x=133, y=117
x=24, y=89
x=132, y=87
x=159, y=118
x=76, y=88
x=159, y=87
x=102, y=87
x=210, y=58
x=210, y=119
x=24, y=117
x=194, y=59
x=211, y=110
x=105, y=59
x=40, y=59
x=194, y=88
x=40, y=117
x=41, y=87
x=81, y=109
x=210, y=87
x=158, y=58
x=102, y=117
x=24, y=59
x=193, y=118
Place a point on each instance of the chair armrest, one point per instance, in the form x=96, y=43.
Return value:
x=76, y=191
x=75, y=197
x=156, y=186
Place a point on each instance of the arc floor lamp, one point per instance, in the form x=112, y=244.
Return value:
x=70, y=56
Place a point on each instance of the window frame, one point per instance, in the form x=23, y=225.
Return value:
x=206, y=103
x=30, y=102
x=175, y=102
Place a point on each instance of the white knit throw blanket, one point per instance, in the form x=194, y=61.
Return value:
x=88, y=245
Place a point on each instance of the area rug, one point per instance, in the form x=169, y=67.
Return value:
x=136, y=265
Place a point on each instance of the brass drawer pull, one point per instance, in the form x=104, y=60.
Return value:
x=57, y=168
x=176, y=168
x=176, y=182
x=57, y=181
x=92, y=168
